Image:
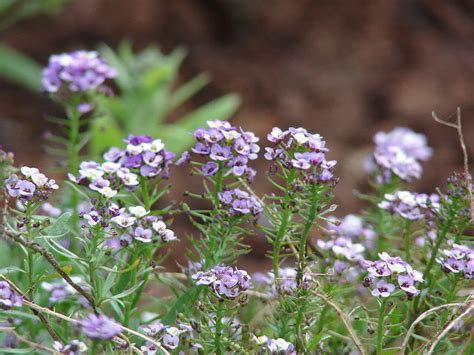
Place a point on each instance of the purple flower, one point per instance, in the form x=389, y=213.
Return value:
x=78, y=71
x=412, y=206
x=239, y=202
x=383, y=289
x=210, y=168
x=32, y=186
x=219, y=153
x=399, y=153
x=113, y=154
x=226, y=281
x=8, y=297
x=74, y=347
x=406, y=283
x=143, y=234
x=100, y=327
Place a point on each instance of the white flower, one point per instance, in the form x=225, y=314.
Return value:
x=124, y=220
x=29, y=171
x=300, y=137
x=134, y=149
x=128, y=179
x=39, y=179
x=168, y=235
x=91, y=173
x=156, y=146
x=159, y=226
x=110, y=167
x=138, y=211
x=107, y=192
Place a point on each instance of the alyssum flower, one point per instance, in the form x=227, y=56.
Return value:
x=458, y=260
x=78, y=71
x=297, y=148
x=225, y=281
x=411, y=206
x=274, y=346
x=388, y=272
x=98, y=326
x=227, y=148
x=239, y=202
x=8, y=297
x=31, y=186
x=287, y=281
x=399, y=153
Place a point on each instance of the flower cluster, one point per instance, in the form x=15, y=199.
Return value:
x=459, y=260
x=78, y=71
x=74, y=347
x=299, y=149
x=393, y=269
x=137, y=225
x=411, y=206
x=399, y=153
x=98, y=326
x=227, y=282
x=60, y=290
x=275, y=346
x=228, y=148
x=8, y=297
x=239, y=202
x=287, y=281
x=167, y=335
x=144, y=155
x=31, y=186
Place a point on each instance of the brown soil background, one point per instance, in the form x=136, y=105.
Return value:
x=345, y=69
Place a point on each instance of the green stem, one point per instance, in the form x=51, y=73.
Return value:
x=218, y=337
x=406, y=238
x=449, y=299
x=304, y=236
x=380, y=326
x=29, y=252
x=145, y=193
x=73, y=153
x=218, y=185
x=285, y=220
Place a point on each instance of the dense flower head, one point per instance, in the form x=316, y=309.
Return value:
x=227, y=282
x=31, y=185
x=168, y=336
x=78, y=71
x=74, y=347
x=297, y=148
x=239, y=202
x=274, y=346
x=343, y=247
x=60, y=290
x=143, y=157
x=411, y=205
x=388, y=273
x=458, y=260
x=98, y=326
x=9, y=298
x=399, y=153
x=227, y=147
x=287, y=281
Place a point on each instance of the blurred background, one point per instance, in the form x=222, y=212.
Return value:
x=344, y=69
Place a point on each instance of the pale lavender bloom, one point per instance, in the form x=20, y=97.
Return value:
x=8, y=297
x=239, y=202
x=153, y=329
x=227, y=282
x=74, y=347
x=143, y=234
x=78, y=71
x=100, y=327
x=32, y=186
x=399, y=153
x=460, y=259
x=275, y=346
x=50, y=210
x=383, y=289
x=210, y=169
x=412, y=206
x=219, y=153
x=406, y=283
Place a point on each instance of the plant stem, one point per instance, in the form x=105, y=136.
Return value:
x=285, y=220
x=218, y=337
x=449, y=299
x=73, y=153
x=29, y=253
x=406, y=238
x=145, y=193
x=218, y=185
x=380, y=326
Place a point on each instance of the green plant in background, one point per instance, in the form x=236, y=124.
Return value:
x=148, y=94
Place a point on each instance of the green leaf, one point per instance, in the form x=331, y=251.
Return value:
x=105, y=133
x=187, y=299
x=187, y=90
x=129, y=291
x=19, y=69
x=17, y=351
x=59, y=227
x=218, y=109
x=11, y=269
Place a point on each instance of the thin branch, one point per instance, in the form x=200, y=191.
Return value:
x=52, y=261
x=449, y=327
x=343, y=317
x=458, y=127
x=77, y=322
x=26, y=340
x=420, y=318
x=42, y=318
